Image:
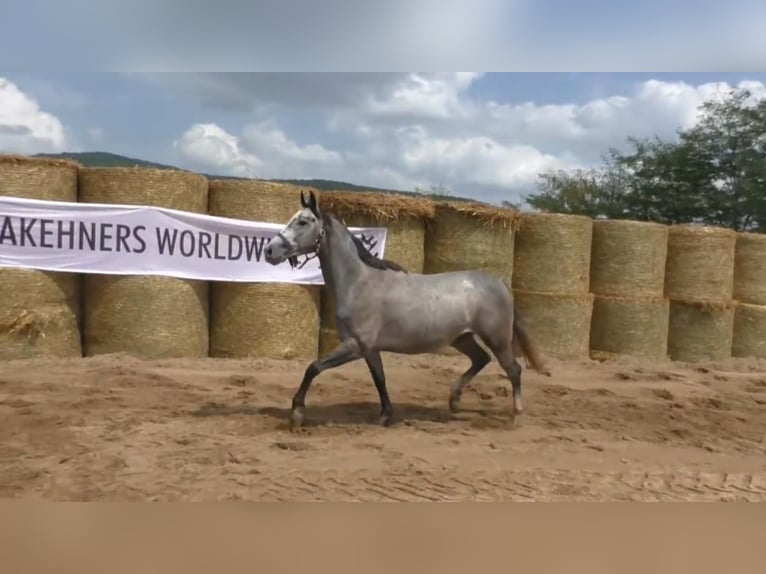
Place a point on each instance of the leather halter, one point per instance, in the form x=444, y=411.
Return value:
x=317, y=244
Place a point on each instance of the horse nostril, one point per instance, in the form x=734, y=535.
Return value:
x=268, y=251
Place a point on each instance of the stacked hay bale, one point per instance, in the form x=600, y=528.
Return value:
x=749, y=338
x=271, y=320
x=699, y=279
x=39, y=310
x=404, y=218
x=551, y=282
x=468, y=235
x=146, y=316
x=627, y=279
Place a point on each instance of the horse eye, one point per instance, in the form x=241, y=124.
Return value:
x=302, y=222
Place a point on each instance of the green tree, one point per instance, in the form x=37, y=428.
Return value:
x=729, y=147
x=595, y=193
x=714, y=173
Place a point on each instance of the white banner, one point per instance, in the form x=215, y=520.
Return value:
x=139, y=240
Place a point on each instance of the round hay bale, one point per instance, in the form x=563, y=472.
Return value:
x=750, y=268
x=557, y=324
x=147, y=316
x=39, y=315
x=404, y=218
x=166, y=188
x=626, y=326
x=270, y=320
x=552, y=254
x=255, y=200
x=700, y=263
x=628, y=258
x=38, y=178
x=467, y=235
x=700, y=331
x=39, y=310
x=749, y=339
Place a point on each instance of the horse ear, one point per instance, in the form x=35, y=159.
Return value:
x=313, y=203
x=303, y=200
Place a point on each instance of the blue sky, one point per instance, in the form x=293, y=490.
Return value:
x=483, y=135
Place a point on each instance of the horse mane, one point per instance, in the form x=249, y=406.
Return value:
x=367, y=258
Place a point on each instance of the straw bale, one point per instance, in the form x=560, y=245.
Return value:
x=628, y=326
x=552, y=253
x=39, y=314
x=382, y=208
x=255, y=200
x=166, y=188
x=558, y=324
x=38, y=178
x=148, y=316
x=700, y=331
x=465, y=236
x=272, y=320
x=268, y=320
x=749, y=339
x=700, y=263
x=750, y=268
x=628, y=258
x=39, y=310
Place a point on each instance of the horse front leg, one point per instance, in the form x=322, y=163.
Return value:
x=375, y=364
x=347, y=351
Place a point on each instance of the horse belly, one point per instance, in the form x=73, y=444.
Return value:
x=412, y=336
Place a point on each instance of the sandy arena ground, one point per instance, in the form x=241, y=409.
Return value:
x=116, y=428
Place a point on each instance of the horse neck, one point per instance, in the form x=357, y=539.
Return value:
x=340, y=262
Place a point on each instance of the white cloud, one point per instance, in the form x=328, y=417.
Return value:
x=261, y=150
x=273, y=145
x=587, y=130
x=475, y=160
x=426, y=129
x=209, y=146
x=24, y=127
x=424, y=96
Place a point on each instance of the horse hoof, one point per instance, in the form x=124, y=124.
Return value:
x=386, y=420
x=454, y=403
x=296, y=419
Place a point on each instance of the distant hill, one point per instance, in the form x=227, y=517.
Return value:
x=106, y=159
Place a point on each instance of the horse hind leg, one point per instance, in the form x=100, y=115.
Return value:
x=507, y=359
x=467, y=345
x=506, y=349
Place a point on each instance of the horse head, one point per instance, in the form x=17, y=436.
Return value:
x=301, y=235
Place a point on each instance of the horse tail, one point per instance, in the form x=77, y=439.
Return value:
x=526, y=347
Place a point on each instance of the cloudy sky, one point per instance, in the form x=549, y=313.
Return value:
x=483, y=135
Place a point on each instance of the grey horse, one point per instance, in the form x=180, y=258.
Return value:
x=382, y=307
